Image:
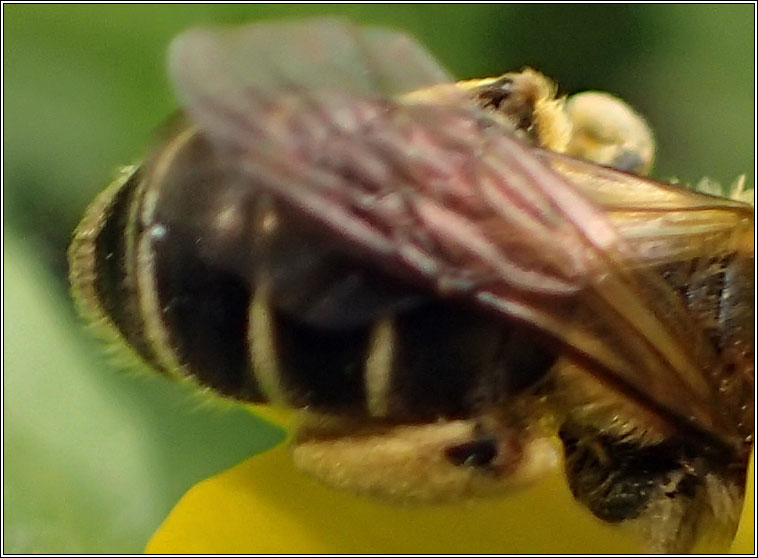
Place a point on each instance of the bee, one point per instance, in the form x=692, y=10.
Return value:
x=461, y=285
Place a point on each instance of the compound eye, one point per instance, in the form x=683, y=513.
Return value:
x=476, y=453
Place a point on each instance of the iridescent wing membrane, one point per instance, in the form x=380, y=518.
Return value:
x=441, y=195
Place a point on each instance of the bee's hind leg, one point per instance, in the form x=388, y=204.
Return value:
x=445, y=460
x=655, y=490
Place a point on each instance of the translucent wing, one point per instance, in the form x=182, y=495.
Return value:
x=320, y=54
x=443, y=197
x=663, y=221
x=698, y=243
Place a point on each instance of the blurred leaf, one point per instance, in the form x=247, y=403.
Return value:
x=85, y=85
x=87, y=467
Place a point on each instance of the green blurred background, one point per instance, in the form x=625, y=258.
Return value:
x=94, y=458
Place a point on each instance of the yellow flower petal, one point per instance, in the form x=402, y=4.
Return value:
x=744, y=541
x=265, y=505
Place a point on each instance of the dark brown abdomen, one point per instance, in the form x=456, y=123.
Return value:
x=186, y=251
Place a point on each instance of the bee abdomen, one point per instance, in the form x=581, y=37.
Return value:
x=436, y=360
x=145, y=262
x=194, y=261
x=203, y=311
x=103, y=281
x=207, y=278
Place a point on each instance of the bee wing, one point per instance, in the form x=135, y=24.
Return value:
x=664, y=226
x=664, y=222
x=441, y=196
x=322, y=53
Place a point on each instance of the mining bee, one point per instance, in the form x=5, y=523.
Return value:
x=462, y=285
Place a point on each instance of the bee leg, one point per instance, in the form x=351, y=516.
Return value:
x=694, y=501
x=496, y=447
x=655, y=490
x=615, y=480
x=446, y=460
x=671, y=519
